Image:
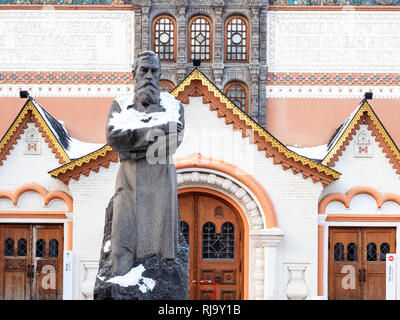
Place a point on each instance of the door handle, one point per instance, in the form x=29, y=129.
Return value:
x=364, y=274
x=360, y=275
x=31, y=269
x=217, y=278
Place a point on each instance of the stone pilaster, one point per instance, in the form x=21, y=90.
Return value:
x=218, y=65
x=265, y=244
x=181, y=43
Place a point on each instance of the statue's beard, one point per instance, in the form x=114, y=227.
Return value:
x=147, y=94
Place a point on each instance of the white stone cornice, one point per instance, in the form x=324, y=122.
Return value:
x=267, y=237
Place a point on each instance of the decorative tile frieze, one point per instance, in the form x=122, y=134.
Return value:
x=66, y=2
x=335, y=92
x=27, y=77
x=334, y=2
x=333, y=79
x=66, y=90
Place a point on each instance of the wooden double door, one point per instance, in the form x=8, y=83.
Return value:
x=357, y=262
x=213, y=229
x=31, y=261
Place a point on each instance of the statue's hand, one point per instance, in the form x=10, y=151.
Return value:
x=179, y=127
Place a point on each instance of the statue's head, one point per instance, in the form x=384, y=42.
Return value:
x=146, y=71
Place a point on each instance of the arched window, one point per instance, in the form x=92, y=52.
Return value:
x=237, y=93
x=53, y=248
x=218, y=245
x=166, y=85
x=385, y=249
x=371, y=251
x=164, y=38
x=200, y=38
x=9, y=247
x=236, y=39
x=40, y=248
x=352, y=252
x=338, y=252
x=22, y=247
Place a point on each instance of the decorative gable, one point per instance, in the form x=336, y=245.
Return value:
x=30, y=114
x=361, y=128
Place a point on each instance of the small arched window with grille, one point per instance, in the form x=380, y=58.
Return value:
x=166, y=85
x=22, y=247
x=200, y=39
x=40, y=248
x=218, y=245
x=53, y=248
x=371, y=251
x=352, y=252
x=236, y=39
x=237, y=93
x=9, y=247
x=164, y=38
x=338, y=252
x=384, y=250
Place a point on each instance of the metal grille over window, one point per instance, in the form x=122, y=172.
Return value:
x=9, y=247
x=237, y=94
x=236, y=39
x=218, y=245
x=384, y=250
x=53, y=248
x=371, y=251
x=22, y=247
x=164, y=38
x=185, y=230
x=352, y=252
x=338, y=252
x=200, y=39
x=40, y=248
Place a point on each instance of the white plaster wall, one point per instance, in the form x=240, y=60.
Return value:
x=295, y=199
x=91, y=196
x=19, y=168
x=375, y=172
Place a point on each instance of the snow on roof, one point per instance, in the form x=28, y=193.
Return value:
x=74, y=148
x=335, y=138
x=316, y=153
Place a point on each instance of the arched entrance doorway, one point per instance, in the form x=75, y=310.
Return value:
x=214, y=231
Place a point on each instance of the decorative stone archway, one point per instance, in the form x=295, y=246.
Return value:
x=261, y=243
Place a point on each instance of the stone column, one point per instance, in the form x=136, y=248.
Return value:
x=265, y=278
x=181, y=44
x=146, y=43
x=138, y=31
x=218, y=65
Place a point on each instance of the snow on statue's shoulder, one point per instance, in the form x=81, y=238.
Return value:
x=130, y=119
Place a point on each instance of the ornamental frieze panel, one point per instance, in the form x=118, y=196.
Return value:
x=65, y=40
x=347, y=41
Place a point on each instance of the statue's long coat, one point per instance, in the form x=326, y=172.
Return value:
x=145, y=210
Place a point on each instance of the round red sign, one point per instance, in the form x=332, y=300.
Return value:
x=391, y=258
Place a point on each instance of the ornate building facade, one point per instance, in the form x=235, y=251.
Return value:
x=228, y=37
x=288, y=176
